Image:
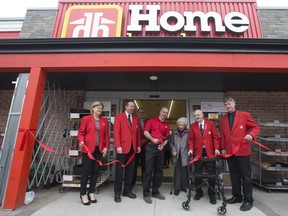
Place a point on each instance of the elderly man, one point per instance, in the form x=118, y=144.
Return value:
x=237, y=130
x=204, y=141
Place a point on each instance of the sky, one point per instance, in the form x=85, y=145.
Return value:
x=9, y=9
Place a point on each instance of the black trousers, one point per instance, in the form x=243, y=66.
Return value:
x=129, y=173
x=209, y=167
x=180, y=175
x=240, y=171
x=139, y=158
x=90, y=168
x=154, y=162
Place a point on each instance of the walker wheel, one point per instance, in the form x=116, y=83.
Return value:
x=221, y=210
x=185, y=205
x=62, y=190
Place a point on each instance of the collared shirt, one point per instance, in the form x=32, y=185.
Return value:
x=202, y=123
x=127, y=115
x=199, y=124
x=142, y=122
x=231, y=117
x=157, y=129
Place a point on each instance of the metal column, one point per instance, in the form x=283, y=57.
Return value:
x=11, y=130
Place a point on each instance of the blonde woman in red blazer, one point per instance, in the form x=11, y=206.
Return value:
x=127, y=142
x=204, y=143
x=238, y=128
x=94, y=134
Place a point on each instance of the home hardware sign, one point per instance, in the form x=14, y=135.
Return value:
x=106, y=21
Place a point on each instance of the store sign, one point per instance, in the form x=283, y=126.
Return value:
x=235, y=22
x=92, y=21
x=106, y=21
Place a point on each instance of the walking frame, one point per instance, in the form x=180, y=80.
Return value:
x=219, y=185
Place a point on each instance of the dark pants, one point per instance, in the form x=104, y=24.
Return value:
x=209, y=167
x=240, y=170
x=90, y=168
x=180, y=175
x=154, y=161
x=139, y=157
x=167, y=157
x=129, y=173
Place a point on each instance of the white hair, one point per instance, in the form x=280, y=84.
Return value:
x=182, y=120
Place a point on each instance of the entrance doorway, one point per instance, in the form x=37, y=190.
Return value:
x=177, y=109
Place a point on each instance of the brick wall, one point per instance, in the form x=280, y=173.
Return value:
x=267, y=106
x=5, y=98
x=274, y=23
x=38, y=24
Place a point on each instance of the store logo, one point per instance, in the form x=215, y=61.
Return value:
x=173, y=21
x=92, y=21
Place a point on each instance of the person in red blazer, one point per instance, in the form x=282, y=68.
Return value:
x=127, y=142
x=94, y=134
x=204, y=142
x=237, y=130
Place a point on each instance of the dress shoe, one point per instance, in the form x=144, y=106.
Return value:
x=117, y=198
x=147, y=199
x=246, y=206
x=92, y=201
x=233, y=200
x=158, y=196
x=213, y=200
x=198, y=196
x=184, y=190
x=176, y=192
x=84, y=203
x=130, y=195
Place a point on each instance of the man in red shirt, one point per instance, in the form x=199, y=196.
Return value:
x=155, y=130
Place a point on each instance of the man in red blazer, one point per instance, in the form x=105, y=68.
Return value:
x=237, y=130
x=204, y=141
x=127, y=142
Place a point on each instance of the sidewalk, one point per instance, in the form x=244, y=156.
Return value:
x=51, y=202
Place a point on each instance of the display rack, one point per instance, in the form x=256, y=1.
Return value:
x=74, y=157
x=272, y=165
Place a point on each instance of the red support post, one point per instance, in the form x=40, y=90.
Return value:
x=20, y=166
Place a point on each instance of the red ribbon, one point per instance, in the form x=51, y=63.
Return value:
x=45, y=147
x=236, y=149
x=112, y=162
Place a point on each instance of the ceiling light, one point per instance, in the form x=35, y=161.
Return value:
x=136, y=104
x=171, y=104
x=153, y=78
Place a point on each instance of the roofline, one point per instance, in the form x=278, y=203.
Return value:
x=144, y=44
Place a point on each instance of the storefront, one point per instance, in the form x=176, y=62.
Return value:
x=199, y=51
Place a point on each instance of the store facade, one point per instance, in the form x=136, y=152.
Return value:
x=199, y=50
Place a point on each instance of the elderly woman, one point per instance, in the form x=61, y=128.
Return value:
x=179, y=151
x=94, y=138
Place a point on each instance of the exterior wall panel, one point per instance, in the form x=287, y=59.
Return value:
x=248, y=7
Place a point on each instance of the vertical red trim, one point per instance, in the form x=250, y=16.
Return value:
x=20, y=167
